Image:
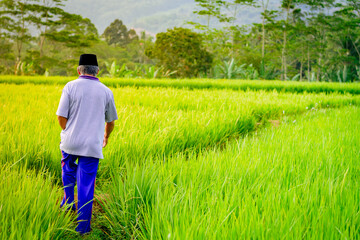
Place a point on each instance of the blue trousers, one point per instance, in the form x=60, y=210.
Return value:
x=85, y=174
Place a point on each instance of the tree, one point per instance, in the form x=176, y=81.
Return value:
x=346, y=23
x=266, y=16
x=50, y=21
x=45, y=15
x=345, y=36
x=118, y=34
x=6, y=55
x=73, y=30
x=287, y=6
x=180, y=50
x=211, y=8
x=16, y=16
x=145, y=41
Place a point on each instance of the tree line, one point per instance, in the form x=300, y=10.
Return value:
x=39, y=37
x=302, y=40
x=31, y=31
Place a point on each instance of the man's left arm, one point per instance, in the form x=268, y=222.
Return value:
x=63, y=109
x=109, y=127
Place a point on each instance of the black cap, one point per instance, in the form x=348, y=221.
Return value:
x=88, y=59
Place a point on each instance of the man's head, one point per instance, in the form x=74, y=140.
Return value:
x=88, y=65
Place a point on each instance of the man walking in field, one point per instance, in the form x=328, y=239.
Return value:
x=85, y=106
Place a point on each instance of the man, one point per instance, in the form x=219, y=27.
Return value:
x=85, y=105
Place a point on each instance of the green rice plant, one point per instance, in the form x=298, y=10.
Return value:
x=173, y=169
x=137, y=192
x=297, y=180
x=29, y=206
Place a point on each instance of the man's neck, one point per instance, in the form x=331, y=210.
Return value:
x=87, y=75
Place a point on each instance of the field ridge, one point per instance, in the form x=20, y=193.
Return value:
x=208, y=84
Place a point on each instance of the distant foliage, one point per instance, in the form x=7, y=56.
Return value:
x=117, y=34
x=181, y=51
x=302, y=40
x=140, y=71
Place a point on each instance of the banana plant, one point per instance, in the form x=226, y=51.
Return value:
x=25, y=68
x=113, y=69
x=268, y=72
x=152, y=72
x=119, y=72
x=229, y=70
x=357, y=73
x=167, y=74
x=296, y=77
x=342, y=74
x=249, y=72
x=138, y=72
x=311, y=77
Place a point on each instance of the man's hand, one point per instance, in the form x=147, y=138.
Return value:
x=105, y=141
x=62, y=122
x=109, y=127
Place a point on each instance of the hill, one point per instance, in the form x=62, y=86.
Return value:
x=151, y=15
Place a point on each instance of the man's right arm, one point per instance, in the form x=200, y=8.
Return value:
x=63, y=109
x=109, y=127
x=62, y=122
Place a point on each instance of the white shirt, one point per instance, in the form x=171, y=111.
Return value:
x=87, y=104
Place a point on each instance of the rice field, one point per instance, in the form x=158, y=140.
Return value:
x=190, y=160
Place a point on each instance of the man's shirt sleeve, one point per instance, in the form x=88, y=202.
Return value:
x=64, y=105
x=110, y=111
